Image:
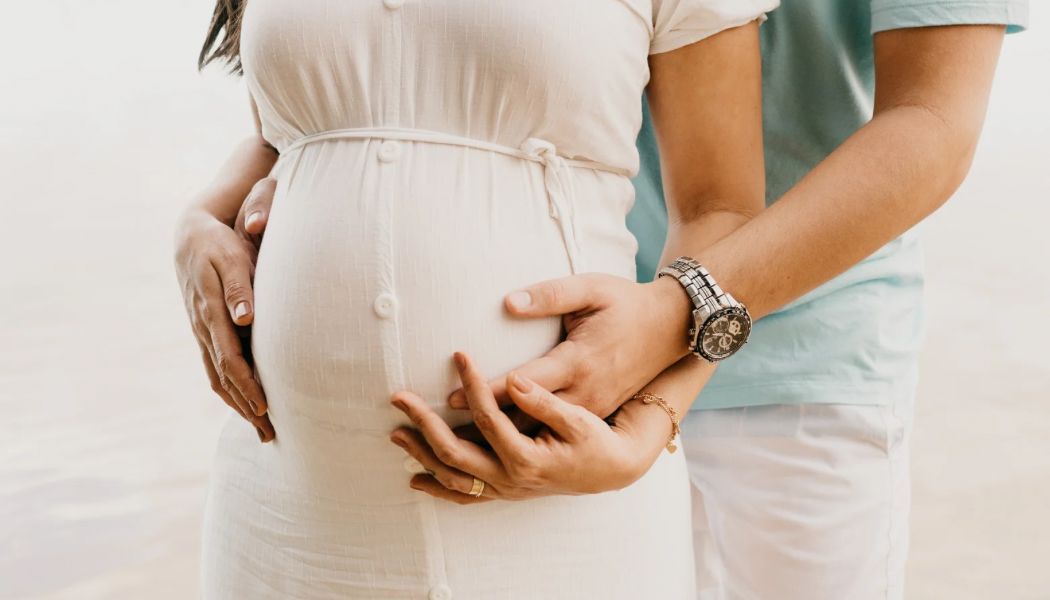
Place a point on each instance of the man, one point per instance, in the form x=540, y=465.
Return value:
x=798, y=446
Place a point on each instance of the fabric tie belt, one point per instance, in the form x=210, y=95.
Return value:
x=561, y=195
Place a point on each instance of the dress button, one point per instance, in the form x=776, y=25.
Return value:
x=385, y=305
x=440, y=592
x=393, y=4
x=413, y=466
x=389, y=151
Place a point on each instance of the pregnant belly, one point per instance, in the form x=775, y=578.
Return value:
x=370, y=277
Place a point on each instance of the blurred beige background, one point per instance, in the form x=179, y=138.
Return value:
x=108, y=424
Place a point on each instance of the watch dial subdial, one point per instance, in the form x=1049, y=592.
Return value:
x=725, y=334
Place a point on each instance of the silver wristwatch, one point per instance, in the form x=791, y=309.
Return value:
x=721, y=325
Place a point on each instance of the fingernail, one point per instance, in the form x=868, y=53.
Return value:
x=520, y=300
x=262, y=436
x=461, y=360
x=252, y=219
x=398, y=403
x=521, y=383
x=255, y=409
x=240, y=310
x=457, y=401
x=397, y=440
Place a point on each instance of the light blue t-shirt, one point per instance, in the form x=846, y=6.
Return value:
x=854, y=339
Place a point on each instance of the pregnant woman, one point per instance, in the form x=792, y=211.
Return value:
x=434, y=154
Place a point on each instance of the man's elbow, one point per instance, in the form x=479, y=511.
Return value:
x=957, y=137
x=959, y=159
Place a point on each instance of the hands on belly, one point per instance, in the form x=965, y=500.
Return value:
x=613, y=349
x=620, y=337
x=575, y=452
x=214, y=265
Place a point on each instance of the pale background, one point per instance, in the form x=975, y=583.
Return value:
x=107, y=424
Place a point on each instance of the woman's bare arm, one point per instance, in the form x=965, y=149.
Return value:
x=932, y=90
x=706, y=104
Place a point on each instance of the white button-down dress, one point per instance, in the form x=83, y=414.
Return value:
x=435, y=155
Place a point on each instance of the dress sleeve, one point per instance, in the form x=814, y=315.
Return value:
x=678, y=23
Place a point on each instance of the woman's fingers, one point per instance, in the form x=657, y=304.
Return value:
x=510, y=445
x=562, y=418
x=413, y=443
x=553, y=371
x=447, y=448
x=433, y=487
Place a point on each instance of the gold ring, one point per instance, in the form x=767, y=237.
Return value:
x=478, y=488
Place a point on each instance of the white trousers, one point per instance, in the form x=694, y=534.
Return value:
x=805, y=502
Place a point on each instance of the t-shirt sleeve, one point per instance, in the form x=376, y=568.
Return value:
x=903, y=14
x=678, y=23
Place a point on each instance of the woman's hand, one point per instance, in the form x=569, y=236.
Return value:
x=621, y=335
x=706, y=101
x=214, y=265
x=575, y=453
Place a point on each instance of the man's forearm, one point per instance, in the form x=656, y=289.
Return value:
x=250, y=161
x=881, y=182
x=681, y=382
x=888, y=176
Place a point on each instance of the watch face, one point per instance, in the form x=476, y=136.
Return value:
x=724, y=333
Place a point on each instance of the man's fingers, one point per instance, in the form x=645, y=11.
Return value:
x=234, y=371
x=552, y=371
x=264, y=428
x=412, y=442
x=213, y=379
x=450, y=450
x=221, y=385
x=235, y=276
x=256, y=208
x=563, y=418
x=522, y=422
x=431, y=486
x=555, y=297
x=525, y=423
x=470, y=433
x=501, y=434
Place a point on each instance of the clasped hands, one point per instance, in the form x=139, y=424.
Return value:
x=555, y=443
x=569, y=426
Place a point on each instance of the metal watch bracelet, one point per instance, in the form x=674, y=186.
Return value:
x=721, y=325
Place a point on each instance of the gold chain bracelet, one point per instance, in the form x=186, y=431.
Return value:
x=649, y=398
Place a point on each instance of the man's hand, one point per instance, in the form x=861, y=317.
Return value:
x=575, y=453
x=215, y=266
x=255, y=212
x=621, y=335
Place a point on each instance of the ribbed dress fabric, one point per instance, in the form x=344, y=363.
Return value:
x=435, y=155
